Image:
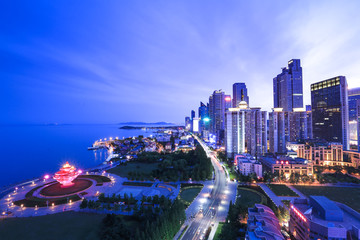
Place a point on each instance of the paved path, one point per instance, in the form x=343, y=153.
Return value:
x=296, y=191
x=271, y=195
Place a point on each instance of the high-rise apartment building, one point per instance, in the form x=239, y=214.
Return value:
x=279, y=130
x=217, y=115
x=288, y=90
x=228, y=103
x=288, y=127
x=245, y=131
x=239, y=94
x=354, y=117
x=330, y=110
x=300, y=125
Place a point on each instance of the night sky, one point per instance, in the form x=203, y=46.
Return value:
x=115, y=61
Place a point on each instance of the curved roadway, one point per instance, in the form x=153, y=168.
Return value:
x=215, y=205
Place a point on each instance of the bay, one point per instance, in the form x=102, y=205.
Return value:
x=31, y=151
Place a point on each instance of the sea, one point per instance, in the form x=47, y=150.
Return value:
x=32, y=151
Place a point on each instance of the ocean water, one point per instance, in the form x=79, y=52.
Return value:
x=31, y=151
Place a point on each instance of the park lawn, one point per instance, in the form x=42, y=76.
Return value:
x=248, y=197
x=142, y=168
x=218, y=231
x=190, y=193
x=339, y=177
x=59, y=226
x=346, y=195
x=282, y=190
x=138, y=184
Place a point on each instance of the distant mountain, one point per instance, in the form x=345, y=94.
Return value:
x=144, y=123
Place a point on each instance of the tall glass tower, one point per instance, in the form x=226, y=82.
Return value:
x=330, y=110
x=239, y=94
x=288, y=90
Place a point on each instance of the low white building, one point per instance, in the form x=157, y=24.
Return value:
x=247, y=166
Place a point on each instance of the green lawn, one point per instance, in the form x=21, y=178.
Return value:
x=282, y=190
x=139, y=184
x=67, y=225
x=218, y=231
x=346, y=195
x=339, y=177
x=249, y=197
x=143, y=169
x=189, y=194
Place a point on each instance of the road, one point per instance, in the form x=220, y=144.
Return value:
x=214, y=205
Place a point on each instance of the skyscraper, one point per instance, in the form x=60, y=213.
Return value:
x=245, y=130
x=192, y=114
x=228, y=103
x=354, y=115
x=288, y=90
x=218, y=103
x=239, y=94
x=204, y=120
x=300, y=125
x=279, y=130
x=330, y=110
x=187, y=123
x=288, y=127
x=217, y=115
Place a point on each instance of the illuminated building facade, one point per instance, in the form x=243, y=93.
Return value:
x=325, y=154
x=288, y=90
x=187, y=123
x=247, y=165
x=287, y=166
x=239, y=94
x=330, y=110
x=262, y=224
x=354, y=118
x=320, y=153
x=245, y=131
x=320, y=218
x=279, y=130
x=66, y=175
x=217, y=108
x=204, y=120
x=288, y=127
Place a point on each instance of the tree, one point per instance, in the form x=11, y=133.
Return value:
x=84, y=204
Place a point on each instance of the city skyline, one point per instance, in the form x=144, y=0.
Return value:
x=96, y=64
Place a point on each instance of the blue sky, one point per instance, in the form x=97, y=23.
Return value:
x=115, y=61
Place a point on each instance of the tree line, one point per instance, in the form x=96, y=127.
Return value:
x=149, y=223
x=176, y=166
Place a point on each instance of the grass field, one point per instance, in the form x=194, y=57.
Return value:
x=345, y=195
x=189, y=194
x=139, y=184
x=67, y=225
x=142, y=168
x=218, y=231
x=339, y=177
x=249, y=197
x=282, y=190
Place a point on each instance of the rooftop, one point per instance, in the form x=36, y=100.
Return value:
x=263, y=224
x=321, y=210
